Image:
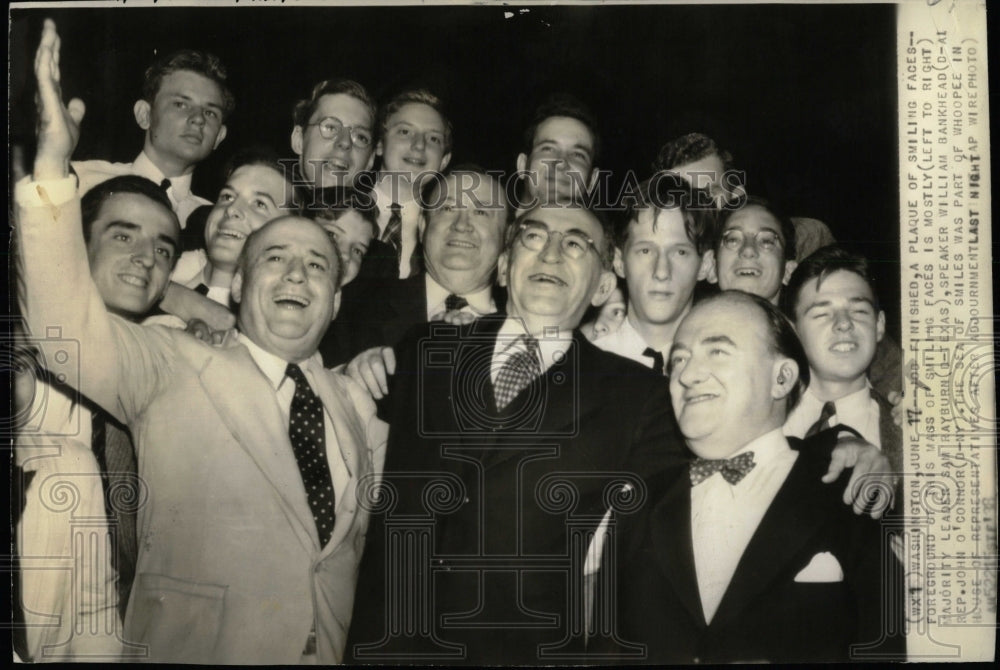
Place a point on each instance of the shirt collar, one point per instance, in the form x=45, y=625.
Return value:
x=552, y=345
x=481, y=301
x=144, y=167
x=767, y=447
x=273, y=366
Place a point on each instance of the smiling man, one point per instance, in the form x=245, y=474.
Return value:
x=183, y=109
x=251, y=451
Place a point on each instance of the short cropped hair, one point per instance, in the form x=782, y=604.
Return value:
x=432, y=190
x=821, y=264
x=606, y=250
x=563, y=104
x=787, y=227
x=243, y=262
x=333, y=202
x=688, y=149
x=304, y=109
x=266, y=157
x=666, y=190
x=422, y=96
x=200, y=62
x=94, y=199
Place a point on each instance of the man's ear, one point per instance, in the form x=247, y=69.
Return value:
x=221, y=136
x=605, y=287
x=784, y=376
x=707, y=268
x=880, y=326
x=618, y=264
x=236, y=288
x=141, y=111
x=297, y=140
x=336, y=302
x=522, y=162
x=444, y=161
x=789, y=269
x=503, y=267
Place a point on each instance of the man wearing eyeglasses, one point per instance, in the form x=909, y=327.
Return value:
x=505, y=437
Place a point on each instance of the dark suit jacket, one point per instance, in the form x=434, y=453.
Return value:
x=518, y=491
x=764, y=615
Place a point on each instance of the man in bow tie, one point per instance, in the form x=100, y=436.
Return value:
x=744, y=555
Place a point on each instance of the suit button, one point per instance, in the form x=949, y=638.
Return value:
x=696, y=660
x=465, y=502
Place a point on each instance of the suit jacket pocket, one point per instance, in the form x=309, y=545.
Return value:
x=178, y=619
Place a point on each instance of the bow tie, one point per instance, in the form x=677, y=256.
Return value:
x=733, y=469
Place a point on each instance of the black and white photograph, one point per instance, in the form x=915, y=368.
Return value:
x=481, y=333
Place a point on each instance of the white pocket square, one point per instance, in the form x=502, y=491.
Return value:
x=823, y=567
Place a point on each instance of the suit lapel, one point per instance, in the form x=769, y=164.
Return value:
x=245, y=402
x=670, y=529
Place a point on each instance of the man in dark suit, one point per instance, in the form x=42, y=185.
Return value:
x=507, y=438
x=466, y=215
x=743, y=555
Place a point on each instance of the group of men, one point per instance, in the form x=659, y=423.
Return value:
x=365, y=424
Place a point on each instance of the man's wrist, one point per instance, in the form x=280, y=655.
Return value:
x=50, y=169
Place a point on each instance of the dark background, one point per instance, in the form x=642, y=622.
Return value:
x=803, y=96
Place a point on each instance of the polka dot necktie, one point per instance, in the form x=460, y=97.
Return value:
x=453, y=302
x=308, y=435
x=519, y=365
x=732, y=469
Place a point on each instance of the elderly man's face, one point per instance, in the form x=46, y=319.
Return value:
x=288, y=287
x=722, y=373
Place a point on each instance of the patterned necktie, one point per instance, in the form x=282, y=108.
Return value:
x=657, y=359
x=732, y=469
x=393, y=233
x=453, y=302
x=829, y=409
x=308, y=436
x=519, y=365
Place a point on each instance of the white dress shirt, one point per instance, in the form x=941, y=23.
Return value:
x=274, y=368
x=92, y=173
x=480, y=303
x=724, y=517
x=411, y=214
x=191, y=270
x=859, y=410
x=627, y=342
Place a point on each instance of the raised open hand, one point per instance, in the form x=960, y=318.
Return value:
x=58, y=124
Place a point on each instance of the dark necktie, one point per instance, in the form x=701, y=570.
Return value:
x=829, y=409
x=453, y=302
x=202, y=289
x=165, y=185
x=393, y=233
x=519, y=366
x=732, y=469
x=307, y=433
x=657, y=359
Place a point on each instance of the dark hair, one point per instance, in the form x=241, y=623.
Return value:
x=688, y=149
x=424, y=97
x=94, y=199
x=266, y=157
x=821, y=264
x=200, y=62
x=666, y=190
x=304, y=109
x=607, y=253
x=782, y=339
x=787, y=228
x=563, y=104
x=431, y=191
x=333, y=202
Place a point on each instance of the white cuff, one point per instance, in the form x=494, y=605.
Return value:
x=45, y=193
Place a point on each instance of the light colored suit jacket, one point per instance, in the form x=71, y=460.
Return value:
x=229, y=569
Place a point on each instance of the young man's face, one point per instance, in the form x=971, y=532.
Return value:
x=839, y=326
x=353, y=235
x=609, y=319
x=661, y=266
x=184, y=123
x=723, y=378
x=464, y=231
x=288, y=290
x=561, y=162
x=252, y=196
x=548, y=286
x=336, y=160
x=751, y=255
x=414, y=142
x=131, y=250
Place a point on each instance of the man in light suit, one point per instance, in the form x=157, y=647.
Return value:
x=743, y=555
x=239, y=560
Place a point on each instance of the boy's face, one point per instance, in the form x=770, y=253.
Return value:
x=336, y=160
x=414, y=142
x=839, y=326
x=561, y=160
x=751, y=254
x=352, y=234
x=661, y=266
x=184, y=122
x=252, y=196
x=131, y=250
x=609, y=318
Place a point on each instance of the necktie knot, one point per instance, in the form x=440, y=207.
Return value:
x=825, y=415
x=657, y=357
x=165, y=185
x=294, y=372
x=393, y=233
x=732, y=469
x=519, y=365
x=453, y=302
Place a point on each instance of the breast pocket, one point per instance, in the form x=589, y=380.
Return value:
x=179, y=620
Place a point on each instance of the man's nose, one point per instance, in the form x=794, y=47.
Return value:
x=295, y=272
x=842, y=321
x=142, y=254
x=343, y=138
x=661, y=270
x=197, y=116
